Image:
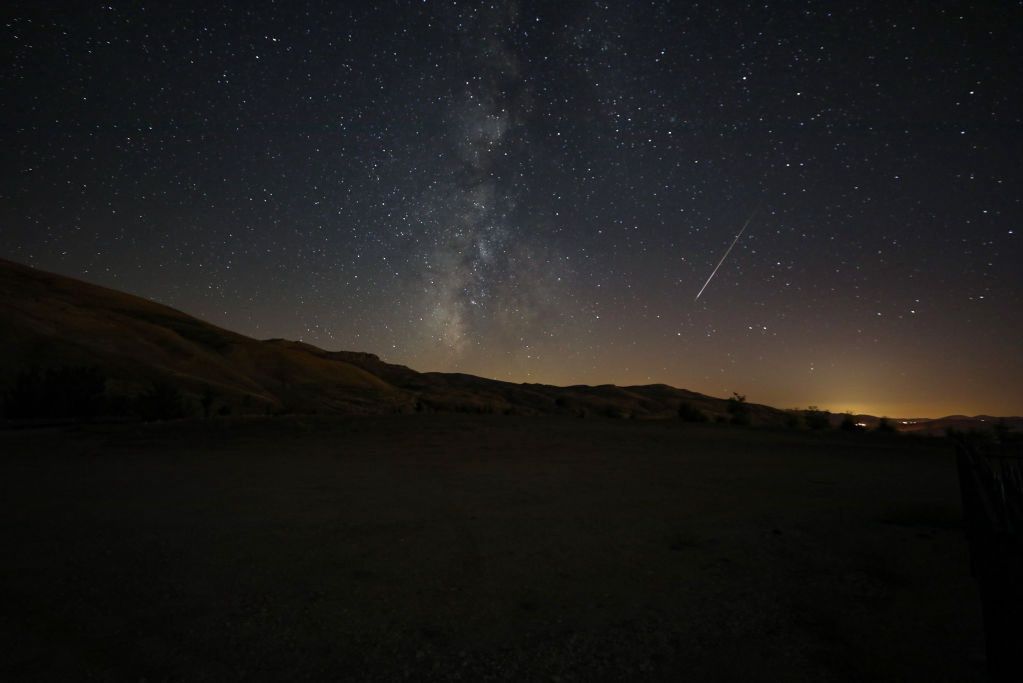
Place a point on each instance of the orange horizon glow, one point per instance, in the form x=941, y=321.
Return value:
x=780, y=398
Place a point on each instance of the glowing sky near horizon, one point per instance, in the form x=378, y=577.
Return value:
x=536, y=191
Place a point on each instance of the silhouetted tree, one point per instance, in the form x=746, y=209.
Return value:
x=688, y=413
x=738, y=409
x=816, y=418
x=24, y=398
x=163, y=401
x=1001, y=430
x=56, y=392
x=849, y=423
x=207, y=398
x=884, y=425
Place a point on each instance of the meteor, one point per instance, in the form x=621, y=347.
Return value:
x=727, y=251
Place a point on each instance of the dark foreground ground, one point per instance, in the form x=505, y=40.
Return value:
x=480, y=548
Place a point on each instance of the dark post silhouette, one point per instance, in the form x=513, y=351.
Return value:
x=991, y=483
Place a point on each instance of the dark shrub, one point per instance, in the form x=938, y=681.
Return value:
x=163, y=401
x=688, y=413
x=56, y=393
x=1001, y=431
x=849, y=424
x=885, y=425
x=738, y=409
x=206, y=400
x=816, y=418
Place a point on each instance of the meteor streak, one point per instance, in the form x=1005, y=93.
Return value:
x=727, y=251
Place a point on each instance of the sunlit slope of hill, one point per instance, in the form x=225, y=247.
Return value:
x=51, y=321
x=48, y=320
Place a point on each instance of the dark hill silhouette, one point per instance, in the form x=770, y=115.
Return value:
x=959, y=422
x=52, y=321
x=49, y=321
x=934, y=426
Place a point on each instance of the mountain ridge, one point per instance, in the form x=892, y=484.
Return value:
x=49, y=320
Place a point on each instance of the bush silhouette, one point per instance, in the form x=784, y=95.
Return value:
x=207, y=399
x=849, y=424
x=688, y=413
x=816, y=418
x=884, y=425
x=738, y=409
x=56, y=393
x=163, y=401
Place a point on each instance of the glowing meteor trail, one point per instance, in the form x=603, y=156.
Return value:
x=727, y=252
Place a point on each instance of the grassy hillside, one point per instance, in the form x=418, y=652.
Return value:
x=51, y=321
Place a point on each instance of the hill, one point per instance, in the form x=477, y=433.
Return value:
x=963, y=423
x=930, y=426
x=136, y=346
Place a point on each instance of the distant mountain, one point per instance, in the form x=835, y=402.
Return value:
x=932, y=426
x=48, y=321
x=961, y=422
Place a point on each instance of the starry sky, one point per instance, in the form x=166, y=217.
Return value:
x=536, y=191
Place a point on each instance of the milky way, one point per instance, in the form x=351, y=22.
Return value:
x=484, y=270
x=533, y=191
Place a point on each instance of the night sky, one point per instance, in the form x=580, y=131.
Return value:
x=537, y=192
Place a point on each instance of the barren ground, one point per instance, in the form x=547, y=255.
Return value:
x=481, y=548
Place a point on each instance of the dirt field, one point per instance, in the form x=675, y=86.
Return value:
x=481, y=548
